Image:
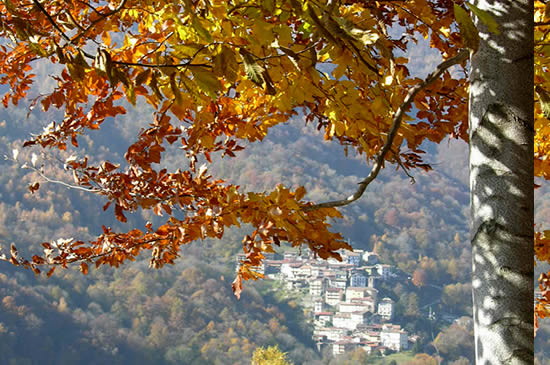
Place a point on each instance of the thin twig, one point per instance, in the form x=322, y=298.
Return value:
x=413, y=180
x=52, y=21
x=397, y=118
x=103, y=17
x=76, y=187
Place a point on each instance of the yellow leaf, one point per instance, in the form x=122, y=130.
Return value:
x=225, y=64
x=485, y=18
x=300, y=193
x=206, y=81
x=468, y=30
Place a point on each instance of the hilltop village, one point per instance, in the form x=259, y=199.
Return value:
x=341, y=299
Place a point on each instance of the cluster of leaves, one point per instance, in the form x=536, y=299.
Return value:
x=269, y=356
x=217, y=73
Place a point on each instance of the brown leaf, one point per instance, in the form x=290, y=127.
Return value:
x=237, y=286
x=38, y=260
x=50, y=272
x=34, y=187
x=118, y=214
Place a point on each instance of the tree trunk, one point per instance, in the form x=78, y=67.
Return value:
x=501, y=185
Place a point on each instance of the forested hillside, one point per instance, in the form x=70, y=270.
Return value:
x=186, y=314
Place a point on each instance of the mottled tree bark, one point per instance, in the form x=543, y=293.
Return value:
x=501, y=185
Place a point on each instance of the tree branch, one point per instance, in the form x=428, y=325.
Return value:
x=52, y=21
x=103, y=17
x=397, y=118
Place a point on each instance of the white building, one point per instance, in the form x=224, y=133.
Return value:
x=359, y=317
x=331, y=333
x=273, y=268
x=349, y=321
x=333, y=296
x=316, y=270
x=393, y=337
x=287, y=267
x=322, y=318
x=304, y=271
x=385, y=308
x=343, y=320
x=318, y=306
x=337, y=283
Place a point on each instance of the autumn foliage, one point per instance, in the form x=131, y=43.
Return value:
x=219, y=75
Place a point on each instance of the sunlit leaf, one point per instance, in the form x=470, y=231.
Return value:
x=468, y=30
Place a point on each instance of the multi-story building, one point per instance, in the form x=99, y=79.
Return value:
x=367, y=346
x=273, y=268
x=337, y=283
x=370, y=333
x=354, y=307
x=318, y=305
x=333, y=296
x=323, y=318
x=393, y=337
x=340, y=273
x=303, y=271
x=316, y=270
x=317, y=287
x=290, y=269
x=356, y=292
x=343, y=346
x=349, y=321
x=343, y=320
x=353, y=258
x=359, y=317
x=384, y=271
x=385, y=308
x=239, y=258
x=358, y=279
x=330, y=333
x=366, y=302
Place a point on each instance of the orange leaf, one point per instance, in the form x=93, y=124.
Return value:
x=237, y=286
x=118, y=214
x=50, y=272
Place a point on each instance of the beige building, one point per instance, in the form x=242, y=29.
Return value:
x=333, y=296
x=354, y=292
x=317, y=287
